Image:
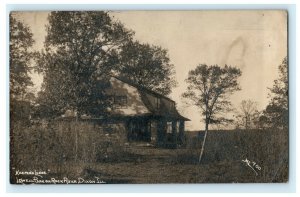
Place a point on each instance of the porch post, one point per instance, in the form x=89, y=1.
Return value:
x=129, y=130
x=147, y=124
x=181, y=131
x=161, y=132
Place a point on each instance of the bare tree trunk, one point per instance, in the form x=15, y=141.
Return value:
x=203, y=143
x=76, y=139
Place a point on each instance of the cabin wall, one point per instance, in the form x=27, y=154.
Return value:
x=134, y=106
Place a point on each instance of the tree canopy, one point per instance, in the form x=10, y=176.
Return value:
x=248, y=115
x=20, y=42
x=208, y=89
x=20, y=56
x=276, y=111
x=81, y=49
x=148, y=66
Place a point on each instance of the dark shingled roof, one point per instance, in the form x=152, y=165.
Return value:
x=141, y=88
x=164, y=110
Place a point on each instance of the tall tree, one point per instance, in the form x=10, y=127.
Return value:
x=20, y=55
x=81, y=50
x=248, y=114
x=277, y=109
x=57, y=93
x=148, y=66
x=208, y=89
x=20, y=42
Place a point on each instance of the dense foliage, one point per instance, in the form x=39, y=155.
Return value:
x=148, y=66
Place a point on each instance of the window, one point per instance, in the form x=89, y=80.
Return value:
x=169, y=127
x=157, y=102
x=120, y=101
x=177, y=126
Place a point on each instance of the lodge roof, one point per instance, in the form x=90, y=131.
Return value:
x=163, y=110
x=142, y=89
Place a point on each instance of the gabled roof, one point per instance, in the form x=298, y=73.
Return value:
x=163, y=110
x=141, y=88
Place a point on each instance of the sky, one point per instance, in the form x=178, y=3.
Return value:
x=254, y=41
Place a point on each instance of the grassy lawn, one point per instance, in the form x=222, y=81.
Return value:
x=152, y=165
x=113, y=160
x=222, y=162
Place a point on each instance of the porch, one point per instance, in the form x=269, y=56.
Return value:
x=160, y=131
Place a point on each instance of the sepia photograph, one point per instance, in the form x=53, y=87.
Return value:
x=148, y=97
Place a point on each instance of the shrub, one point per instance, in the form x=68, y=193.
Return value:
x=56, y=144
